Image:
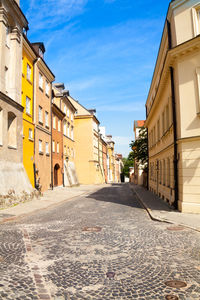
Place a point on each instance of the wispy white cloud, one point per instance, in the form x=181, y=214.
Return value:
x=48, y=14
x=123, y=107
x=122, y=140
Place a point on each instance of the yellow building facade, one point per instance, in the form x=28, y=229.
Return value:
x=28, y=58
x=86, y=135
x=173, y=110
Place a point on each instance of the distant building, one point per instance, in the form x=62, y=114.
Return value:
x=110, y=158
x=138, y=167
x=173, y=110
x=87, y=137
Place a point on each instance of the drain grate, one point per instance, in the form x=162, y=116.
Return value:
x=110, y=275
x=92, y=229
x=175, y=284
x=176, y=228
x=171, y=297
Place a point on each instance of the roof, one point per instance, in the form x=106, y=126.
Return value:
x=138, y=123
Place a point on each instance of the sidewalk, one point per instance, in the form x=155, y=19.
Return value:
x=50, y=198
x=161, y=211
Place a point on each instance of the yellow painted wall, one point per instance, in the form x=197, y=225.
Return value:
x=27, y=91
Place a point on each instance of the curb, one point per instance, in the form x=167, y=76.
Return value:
x=23, y=215
x=157, y=219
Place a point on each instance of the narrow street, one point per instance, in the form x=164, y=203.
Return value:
x=98, y=246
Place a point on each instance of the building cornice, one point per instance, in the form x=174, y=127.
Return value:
x=28, y=48
x=11, y=101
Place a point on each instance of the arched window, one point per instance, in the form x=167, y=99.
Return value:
x=12, y=130
x=1, y=126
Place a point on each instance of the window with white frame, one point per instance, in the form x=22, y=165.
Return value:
x=59, y=125
x=65, y=128
x=53, y=146
x=28, y=72
x=47, y=147
x=65, y=108
x=40, y=115
x=72, y=132
x=68, y=112
x=58, y=147
x=40, y=81
x=30, y=134
x=28, y=105
x=46, y=119
x=47, y=88
x=40, y=146
x=54, y=122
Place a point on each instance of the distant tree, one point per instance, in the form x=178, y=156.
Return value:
x=140, y=148
x=128, y=162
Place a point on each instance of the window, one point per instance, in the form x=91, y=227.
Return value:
x=7, y=36
x=163, y=122
x=72, y=132
x=53, y=146
x=40, y=115
x=46, y=119
x=6, y=79
x=1, y=126
x=65, y=108
x=65, y=128
x=68, y=129
x=58, y=147
x=68, y=112
x=59, y=127
x=30, y=134
x=12, y=130
x=198, y=83
x=28, y=105
x=168, y=172
x=54, y=122
x=158, y=130
x=47, y=148
x=72, y=117
x=28, y=72
x=40, y=146
x=40, y=81
x=47, y=88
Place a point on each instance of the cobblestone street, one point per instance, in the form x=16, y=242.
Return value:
x=98, y=246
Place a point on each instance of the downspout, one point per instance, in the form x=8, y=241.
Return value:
x=175, y=139
x=33, y=112
x=51, y=141
x=176, y=188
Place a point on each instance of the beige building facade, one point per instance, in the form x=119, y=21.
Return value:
x=12, y=174
x=173, y=110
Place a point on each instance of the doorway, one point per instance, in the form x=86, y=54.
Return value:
x=56, y=174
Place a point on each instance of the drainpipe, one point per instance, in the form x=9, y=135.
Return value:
x=147, y=159
x=34, y=121
x=175, y=139
x=51, y=141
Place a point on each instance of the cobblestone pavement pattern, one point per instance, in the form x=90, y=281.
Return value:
x=60, y=254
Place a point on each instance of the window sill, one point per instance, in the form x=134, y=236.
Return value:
x=47, y=95
x=29, y=115
x=41, y=89
x=47, y=154
x=31, y=139
x=47, y=126
x=12, y=147
x=29, y=81
x=41, y=123
x=41, y=153
x=1, y=145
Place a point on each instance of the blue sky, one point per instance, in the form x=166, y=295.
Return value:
x=104, y=51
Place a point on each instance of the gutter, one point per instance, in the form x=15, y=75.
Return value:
x=175, y=139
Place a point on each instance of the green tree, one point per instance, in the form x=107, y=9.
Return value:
x=128, y=162
x=140, y=148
